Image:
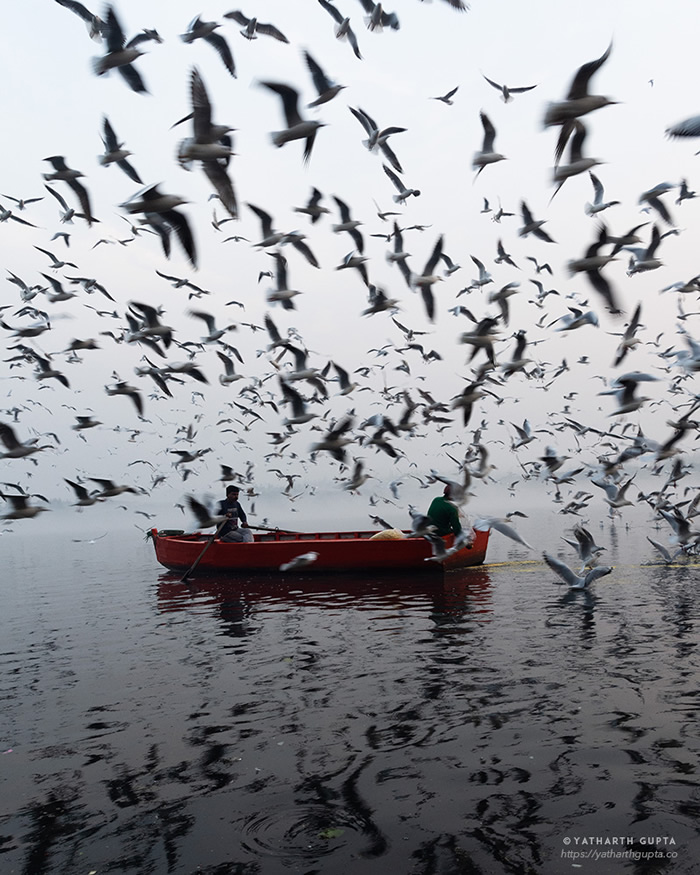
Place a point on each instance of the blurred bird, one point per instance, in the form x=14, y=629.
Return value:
x=573, y=579
x=252, y=27
x=205, y=30
x=297, y=127
x=506, y=92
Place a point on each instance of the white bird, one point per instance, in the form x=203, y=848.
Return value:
x=119, y=55
x=501, y=525
x=403, y=192
x=205, y=30
x=301, y=561
x=570, y=577
x=297, y=127
x=326, y=88
x=578, y=101
x=599, y=203
x=252, y=27
x=506, y=91
x=487, y=155
x=378, y=139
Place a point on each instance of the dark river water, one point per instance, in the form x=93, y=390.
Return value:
x=490, y=722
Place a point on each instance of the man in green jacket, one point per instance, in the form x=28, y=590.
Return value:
x=445, y=514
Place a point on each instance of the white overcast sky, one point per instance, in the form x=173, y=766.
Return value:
x=53, y=104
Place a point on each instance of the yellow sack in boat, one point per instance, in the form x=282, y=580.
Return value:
x=388, y=535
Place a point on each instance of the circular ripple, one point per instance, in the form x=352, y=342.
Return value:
x=311, y=832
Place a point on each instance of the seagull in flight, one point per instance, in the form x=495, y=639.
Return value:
x=252, y=27
x=506, y=92
x=343, y=30
x=205, y=30
x=487, y=155
x=570, y=577
x=119, y=56
x=297, y=127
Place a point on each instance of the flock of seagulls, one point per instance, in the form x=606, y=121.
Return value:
x=350, y=413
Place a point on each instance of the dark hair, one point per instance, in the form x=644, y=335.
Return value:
x=230, y=489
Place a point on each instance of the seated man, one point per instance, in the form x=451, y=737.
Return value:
x=230, y=508
x=444, y=514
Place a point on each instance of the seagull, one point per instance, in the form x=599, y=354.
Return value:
x=377, y=19
x=531, y=225
x=343, y=31
x=297, y=127
x=335, y=440
x=577, y=163
x=652, y=197
x=211, y=145
x=5, y=215
x=229, y=376
x=300, y=415
x=684, y=194
x=96, y=27
x=689, y=127
x=85, y=498
x=16, y=449
x=502, y=526
x=629, y=338
x=22, y=510
x=403, y=192
x=204, y=516
x=486, y=155
x=625, y=388
x=572, y=579
x=599, y=203
x=591, y=264
x=119, y=56
x=643, y=260
x=587, y=549
x=506, y=92
x=123, y=388
x=326, y=88
x=22, y=203
x=161, y=214
x=578, y=101
x=447, y=98
x=313, y=208
x=56, y=264
x=205, y=30
x=252, y=27
x=282, y=294
x=428, y=278
x=348, y=224
x=214, y=332
x=376, y=138
x=663, y=552
x=301, y=561
x=614, y=495
x=70, y=177
x=115, y=153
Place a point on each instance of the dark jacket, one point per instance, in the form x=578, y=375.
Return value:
x=445, y=516
x=229, y=506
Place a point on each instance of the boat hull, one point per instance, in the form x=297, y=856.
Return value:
x=337, y=551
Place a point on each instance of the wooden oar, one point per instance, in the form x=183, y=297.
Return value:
x=196, y=562
x=275, y=529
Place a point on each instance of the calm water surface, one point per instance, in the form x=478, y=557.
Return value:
x=490, y=723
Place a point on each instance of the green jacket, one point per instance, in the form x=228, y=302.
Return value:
x=445, y=516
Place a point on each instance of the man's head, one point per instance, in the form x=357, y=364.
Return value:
x=232, y=492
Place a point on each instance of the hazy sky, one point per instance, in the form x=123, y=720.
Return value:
x=53, y=104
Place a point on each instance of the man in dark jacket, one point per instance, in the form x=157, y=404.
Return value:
x=235, y=529
x=444, y=514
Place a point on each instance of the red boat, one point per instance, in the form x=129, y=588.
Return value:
x=335, y=551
